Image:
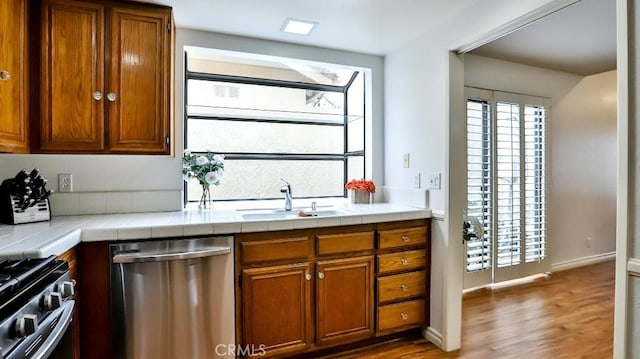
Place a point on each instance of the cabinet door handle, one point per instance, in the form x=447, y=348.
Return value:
x=320, y=275
x=405, y=239
x=404, y=262
x=307, y=276
x=404, y=287
x=5, y=75
x=111, y=97
x=97, y=95
x=404, y=316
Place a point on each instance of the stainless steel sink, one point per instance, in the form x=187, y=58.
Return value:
x=263, y=215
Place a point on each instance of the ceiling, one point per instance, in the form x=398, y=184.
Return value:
x=368, y=26
x=579, y=39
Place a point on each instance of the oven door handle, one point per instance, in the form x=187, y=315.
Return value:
x=58, y=332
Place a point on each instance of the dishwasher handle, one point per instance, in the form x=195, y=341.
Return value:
x=155, y=256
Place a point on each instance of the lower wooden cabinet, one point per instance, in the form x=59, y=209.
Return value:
x=344, y=300
x=276, y=308
x=71, y=257
x=308, y=291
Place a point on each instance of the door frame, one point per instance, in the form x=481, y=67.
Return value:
x=455, y=170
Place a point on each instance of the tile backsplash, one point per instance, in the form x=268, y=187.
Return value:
x=80, y=203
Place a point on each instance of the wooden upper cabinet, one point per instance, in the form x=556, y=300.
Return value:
x=72, y=77
x=13, y=84
x=138, y=97
x=105, y=76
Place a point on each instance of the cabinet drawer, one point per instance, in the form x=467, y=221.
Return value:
x=345, y=243
x=401, y=286
x=400, y=315
x=276, y=250
x=394, y=238
x=407, y=260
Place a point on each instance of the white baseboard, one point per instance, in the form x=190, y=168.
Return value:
x=433, y=336
x=581, y=262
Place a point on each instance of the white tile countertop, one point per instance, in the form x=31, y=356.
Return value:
x=61, y=233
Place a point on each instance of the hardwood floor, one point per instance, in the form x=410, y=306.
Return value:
x=566, y=315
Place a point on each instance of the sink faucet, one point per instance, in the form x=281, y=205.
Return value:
x=286, y=189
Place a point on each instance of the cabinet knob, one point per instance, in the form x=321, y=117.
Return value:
x=307, y=276
x=97, y=95
x=404, y=262
x=111, y=97
x=405, y=239
x=5, y=75
x=404, y=287
x=404, y=316
x=320, y=275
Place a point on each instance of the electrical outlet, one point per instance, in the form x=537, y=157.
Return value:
x=588, y=242
x=416, y=180
x=405, y=160
x=434, y=181
x=65, y=182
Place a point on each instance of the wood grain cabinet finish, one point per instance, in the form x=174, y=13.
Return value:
x=276, y=308
x=310, y=292
x=344, y=300
x=13, y=76
x=402, y=278
x=105, y=78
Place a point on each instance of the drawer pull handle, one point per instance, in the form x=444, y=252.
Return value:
x=320, y=275
x=404, y=262
x=404, y=287
x=405, y=239
x=307, y=276
x=404, y=316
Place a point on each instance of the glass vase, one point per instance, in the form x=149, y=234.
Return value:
x=205, y=199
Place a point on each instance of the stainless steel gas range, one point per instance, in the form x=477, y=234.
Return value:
x=36, y=306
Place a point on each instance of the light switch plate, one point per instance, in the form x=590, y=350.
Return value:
x=434, y=181
x=405, y=160
x=416, y=180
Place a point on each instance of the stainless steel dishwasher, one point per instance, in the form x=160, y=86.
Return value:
x=173, y=299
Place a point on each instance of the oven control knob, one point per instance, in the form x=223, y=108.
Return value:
x=26, y=325
x=52, y=301
x=66, y=289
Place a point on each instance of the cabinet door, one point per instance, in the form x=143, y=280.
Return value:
x=72, y=77
x=13, y=117
x=138, y=94
x=344, y=300
x=276, y=309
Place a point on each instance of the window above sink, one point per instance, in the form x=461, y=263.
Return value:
x=272, y=118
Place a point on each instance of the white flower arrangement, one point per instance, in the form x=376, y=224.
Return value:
x=207, y=168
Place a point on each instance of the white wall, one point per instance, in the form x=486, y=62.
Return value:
x=582, y=140
x=417, y=122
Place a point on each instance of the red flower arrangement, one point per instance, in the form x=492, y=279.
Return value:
x=361, y=185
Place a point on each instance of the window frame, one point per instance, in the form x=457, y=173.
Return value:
x=344, y=157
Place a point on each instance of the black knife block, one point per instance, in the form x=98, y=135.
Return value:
x=11, y=213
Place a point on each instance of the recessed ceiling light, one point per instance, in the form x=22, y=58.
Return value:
x=299, y=27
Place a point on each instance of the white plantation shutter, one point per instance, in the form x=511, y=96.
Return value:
x=508, y=183
x=479, y=181
x=505, y=185
x=534, y=144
